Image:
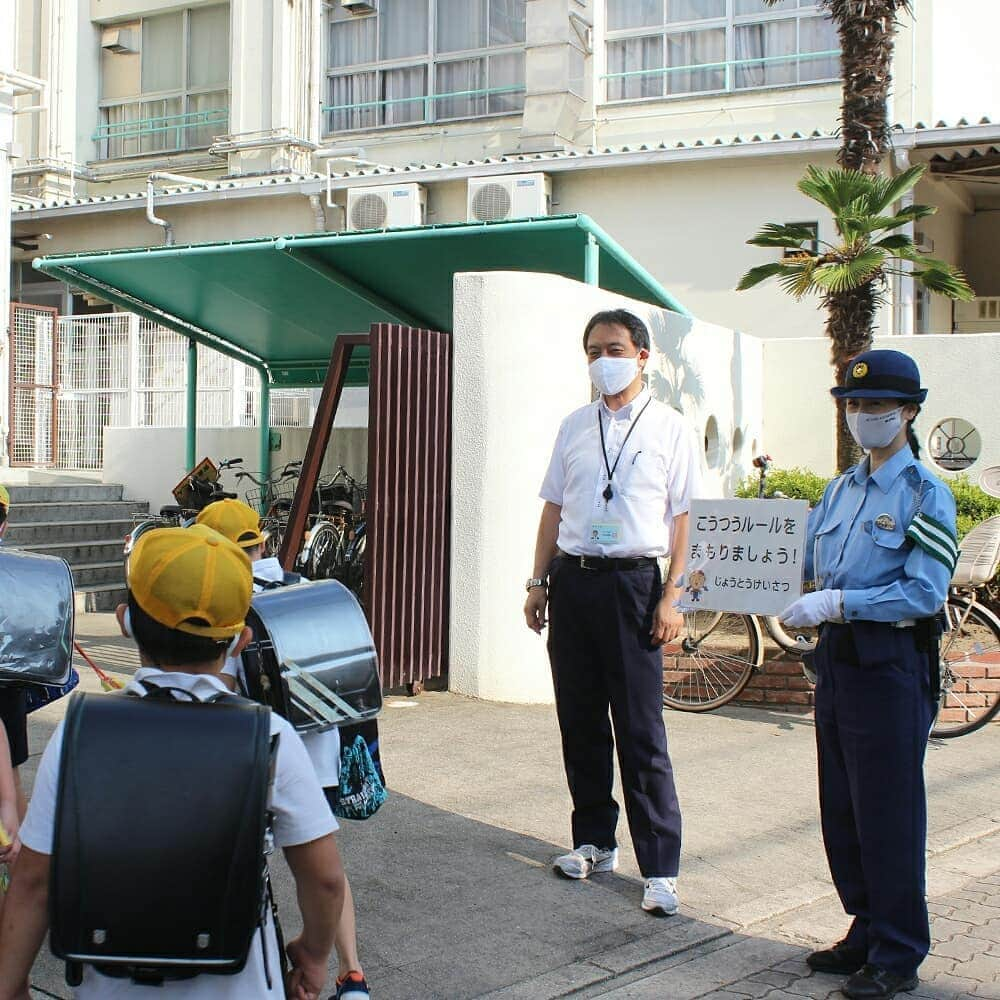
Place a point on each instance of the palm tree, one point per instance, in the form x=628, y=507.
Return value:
x=867, y=31
x=869, y=250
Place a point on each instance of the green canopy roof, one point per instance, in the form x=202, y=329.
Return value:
x=278, y=303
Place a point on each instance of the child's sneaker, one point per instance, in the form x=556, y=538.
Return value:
x=351, y=987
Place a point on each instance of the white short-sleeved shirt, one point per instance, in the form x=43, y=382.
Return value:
x=301, y=815
x=653, y=483
x=323, y=748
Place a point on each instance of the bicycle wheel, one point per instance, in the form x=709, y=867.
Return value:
x=711, y=662
x=970, y=670
x=325, y=544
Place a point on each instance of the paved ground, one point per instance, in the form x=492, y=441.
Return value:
x=457, y=901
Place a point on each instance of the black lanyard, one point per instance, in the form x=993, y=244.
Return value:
x=608, y=491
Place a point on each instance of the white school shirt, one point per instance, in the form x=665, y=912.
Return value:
x=301, y=815
x=652, y=484
x=323, y=748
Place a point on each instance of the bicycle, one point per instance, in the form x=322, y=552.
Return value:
x=720, y=651
x=273, y=496
x=334, y=548
x=200, y=487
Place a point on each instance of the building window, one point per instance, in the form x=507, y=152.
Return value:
x=668, y=48
x=164, y=83
x=423, y=61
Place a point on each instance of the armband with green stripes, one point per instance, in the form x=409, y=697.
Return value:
x=935, y=538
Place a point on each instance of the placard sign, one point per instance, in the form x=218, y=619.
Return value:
x=745, y=555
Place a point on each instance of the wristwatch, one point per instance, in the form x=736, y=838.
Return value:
x=535, y=581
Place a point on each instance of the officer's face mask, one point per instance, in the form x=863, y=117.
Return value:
x=875, y=430
x=612, y=375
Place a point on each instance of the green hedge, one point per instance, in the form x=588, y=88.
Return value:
x=972, y=504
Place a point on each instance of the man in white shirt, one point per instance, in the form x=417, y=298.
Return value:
x=617, y=495
x=189, y=592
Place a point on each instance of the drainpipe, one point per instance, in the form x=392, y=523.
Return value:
x=151, y=179
x=905, y=299
x=591, y=261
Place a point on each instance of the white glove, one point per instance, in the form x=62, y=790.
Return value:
x=811, y=609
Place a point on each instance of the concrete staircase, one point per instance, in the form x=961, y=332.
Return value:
x=83, y=523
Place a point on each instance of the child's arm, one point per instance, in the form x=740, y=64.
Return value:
x=9, y=819
x=25, y=921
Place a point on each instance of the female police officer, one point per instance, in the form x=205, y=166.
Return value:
x=881, y=545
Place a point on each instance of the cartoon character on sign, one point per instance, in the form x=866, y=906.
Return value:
x=696, y=585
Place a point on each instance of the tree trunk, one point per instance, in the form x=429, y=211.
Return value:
x=867, y=31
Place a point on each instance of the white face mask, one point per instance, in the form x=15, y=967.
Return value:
x=875, y=430
x=612, y=375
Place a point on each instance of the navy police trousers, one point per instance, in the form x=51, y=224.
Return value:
x=873, y=716
x=602, y=658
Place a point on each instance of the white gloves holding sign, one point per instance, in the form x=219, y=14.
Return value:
x=811, y=609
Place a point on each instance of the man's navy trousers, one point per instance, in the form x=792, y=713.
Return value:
x=873, y=716
x=602, y=659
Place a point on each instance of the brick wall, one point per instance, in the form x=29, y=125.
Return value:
x=779, y=684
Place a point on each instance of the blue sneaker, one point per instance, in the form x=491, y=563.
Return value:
x=352, y=987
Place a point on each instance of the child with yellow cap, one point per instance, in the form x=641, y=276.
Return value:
x=188, y=595
x=240, y=523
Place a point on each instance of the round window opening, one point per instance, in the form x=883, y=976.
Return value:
x=713, y=446
x=954, y=444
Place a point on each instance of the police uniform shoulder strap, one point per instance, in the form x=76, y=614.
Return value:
x=933, y=536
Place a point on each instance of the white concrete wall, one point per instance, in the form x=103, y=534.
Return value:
x=519, y=369
x=799, y=414
x=149, y=461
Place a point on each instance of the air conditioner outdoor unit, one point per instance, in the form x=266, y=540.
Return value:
x=512, y=196
x=359, y=6
x=386, y=206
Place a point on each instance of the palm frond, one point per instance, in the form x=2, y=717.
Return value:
x=896, y=242
x=905, y=216
x=887, y=190
x=946, y=280
x=836, y=189
x=789, y=236
x=845, y=275
x=758, y=274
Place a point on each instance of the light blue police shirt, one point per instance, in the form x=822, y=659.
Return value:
x=886, y=540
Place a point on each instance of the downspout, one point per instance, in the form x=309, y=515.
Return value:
x=151, y=217
x=904, y=305
x=190, y=439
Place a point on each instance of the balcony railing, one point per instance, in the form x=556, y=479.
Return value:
x=426, y=99
x=728, y=65
x=112, y=136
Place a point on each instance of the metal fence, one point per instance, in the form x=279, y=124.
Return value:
x=72, y=376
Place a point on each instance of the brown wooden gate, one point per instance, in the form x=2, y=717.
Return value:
x=407, y=576
x=34, y=353
x=408, y=508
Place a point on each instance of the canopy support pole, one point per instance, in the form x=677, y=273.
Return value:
x=192, y=404
x=265, y=430
x=592, y=261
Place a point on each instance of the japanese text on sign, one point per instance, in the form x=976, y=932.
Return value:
x=745, y=555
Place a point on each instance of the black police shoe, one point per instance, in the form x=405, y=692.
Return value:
x=875, y=983
x=841, y=959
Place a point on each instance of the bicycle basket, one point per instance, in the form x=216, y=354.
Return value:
x=265, y=496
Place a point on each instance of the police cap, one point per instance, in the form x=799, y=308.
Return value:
x=882, y=375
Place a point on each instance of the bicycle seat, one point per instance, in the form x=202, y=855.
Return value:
x=978, y=555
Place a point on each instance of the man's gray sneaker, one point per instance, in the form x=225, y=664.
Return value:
x=585, y=860
x=660, y=897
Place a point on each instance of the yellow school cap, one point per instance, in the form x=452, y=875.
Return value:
x=234, y=520
x=192, y=579
x=4, y=497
